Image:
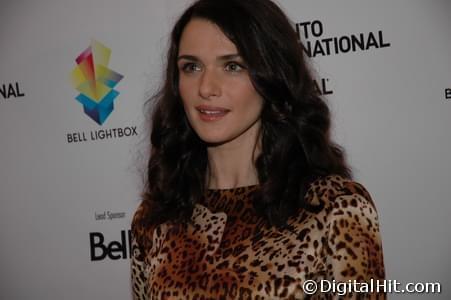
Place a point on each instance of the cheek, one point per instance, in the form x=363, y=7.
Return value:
x=184, y=89
x=186, y=92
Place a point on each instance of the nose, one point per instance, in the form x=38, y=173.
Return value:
x=209, y=85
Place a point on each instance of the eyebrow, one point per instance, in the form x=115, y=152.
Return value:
x=222, y=57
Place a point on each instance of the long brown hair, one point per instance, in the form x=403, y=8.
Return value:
x=296, y=143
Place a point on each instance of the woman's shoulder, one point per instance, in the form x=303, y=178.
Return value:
x=138, y=216
x=333, y=190
x=334, y=199
x=350, y=228
x=142, y=231
x=344, y=227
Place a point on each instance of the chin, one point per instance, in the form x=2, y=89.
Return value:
x=213, y=139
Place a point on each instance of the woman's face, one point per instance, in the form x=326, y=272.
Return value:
x=219, y=99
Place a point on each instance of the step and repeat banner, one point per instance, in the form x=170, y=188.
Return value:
x=72, y=155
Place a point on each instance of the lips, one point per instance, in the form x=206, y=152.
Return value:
x=211, y=113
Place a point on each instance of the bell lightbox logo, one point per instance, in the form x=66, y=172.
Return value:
x=95, y=82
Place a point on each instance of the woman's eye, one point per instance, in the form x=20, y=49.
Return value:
x=233, y=67
x=190, y=67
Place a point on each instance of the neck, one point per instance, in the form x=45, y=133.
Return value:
x=231, y=164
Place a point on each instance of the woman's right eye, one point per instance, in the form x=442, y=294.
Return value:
x=190, y=67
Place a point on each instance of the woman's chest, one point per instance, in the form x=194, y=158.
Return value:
x=234, y=259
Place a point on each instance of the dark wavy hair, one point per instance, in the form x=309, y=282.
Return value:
x=295, y=132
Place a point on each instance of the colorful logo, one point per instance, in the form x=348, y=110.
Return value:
x=95, y=82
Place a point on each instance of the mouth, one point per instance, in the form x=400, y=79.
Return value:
x=211, y=113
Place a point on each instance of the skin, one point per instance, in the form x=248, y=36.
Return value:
x=212, y=74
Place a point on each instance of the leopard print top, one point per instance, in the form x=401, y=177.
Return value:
x=228, y=253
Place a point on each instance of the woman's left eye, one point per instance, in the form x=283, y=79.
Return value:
x=233, y=67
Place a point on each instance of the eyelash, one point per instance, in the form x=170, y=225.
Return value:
x=187, y=67
x=232, y=63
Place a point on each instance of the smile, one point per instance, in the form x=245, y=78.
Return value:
x=209, y=113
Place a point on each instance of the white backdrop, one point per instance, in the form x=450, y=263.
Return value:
x=390, y=110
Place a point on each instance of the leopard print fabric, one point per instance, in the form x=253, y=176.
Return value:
x=228, y=252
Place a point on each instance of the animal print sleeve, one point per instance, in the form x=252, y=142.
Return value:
x=354, y=244
x=138, y=274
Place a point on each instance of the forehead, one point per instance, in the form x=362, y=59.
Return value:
x=202, y=37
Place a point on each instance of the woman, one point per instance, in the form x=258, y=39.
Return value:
x=247, y=196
